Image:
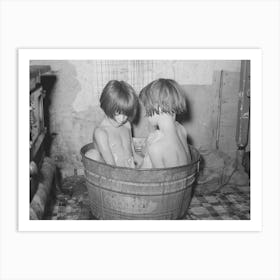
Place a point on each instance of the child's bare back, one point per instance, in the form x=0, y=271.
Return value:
x=167, y=146
x=164, y=151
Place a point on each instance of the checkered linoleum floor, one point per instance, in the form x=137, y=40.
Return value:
x=230, y=203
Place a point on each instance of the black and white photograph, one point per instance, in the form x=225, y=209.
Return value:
x=140, y=139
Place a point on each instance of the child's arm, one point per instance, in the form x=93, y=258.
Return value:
x=184, y=136
x=187, y=149
x=102, y=143
x=155, y=155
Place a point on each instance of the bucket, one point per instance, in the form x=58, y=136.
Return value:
x=120, y=193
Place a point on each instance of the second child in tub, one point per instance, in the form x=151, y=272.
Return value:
x=113, y=137
x=167, y=145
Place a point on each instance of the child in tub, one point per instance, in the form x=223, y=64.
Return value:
x=167, y=145
x=112, y=137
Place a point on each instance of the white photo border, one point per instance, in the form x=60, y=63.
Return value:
x=24, y=58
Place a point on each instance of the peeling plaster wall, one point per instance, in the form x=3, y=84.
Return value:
x=72, y=119
x=74, y=110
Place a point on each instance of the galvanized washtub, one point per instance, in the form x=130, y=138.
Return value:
x=119, y=193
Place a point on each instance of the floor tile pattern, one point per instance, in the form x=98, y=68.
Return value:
x=71, y=202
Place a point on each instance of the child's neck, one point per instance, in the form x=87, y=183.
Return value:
x=166, y=122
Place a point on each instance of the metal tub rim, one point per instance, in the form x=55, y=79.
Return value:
x=89, y=146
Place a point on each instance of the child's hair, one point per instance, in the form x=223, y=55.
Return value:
x=119, y=97
x=164, y=94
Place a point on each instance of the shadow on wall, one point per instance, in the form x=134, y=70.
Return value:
x=138, y=115
x=66, y=90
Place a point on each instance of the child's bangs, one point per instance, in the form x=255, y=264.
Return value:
x=171, y=97
x=127, y=107
x=164, y=94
